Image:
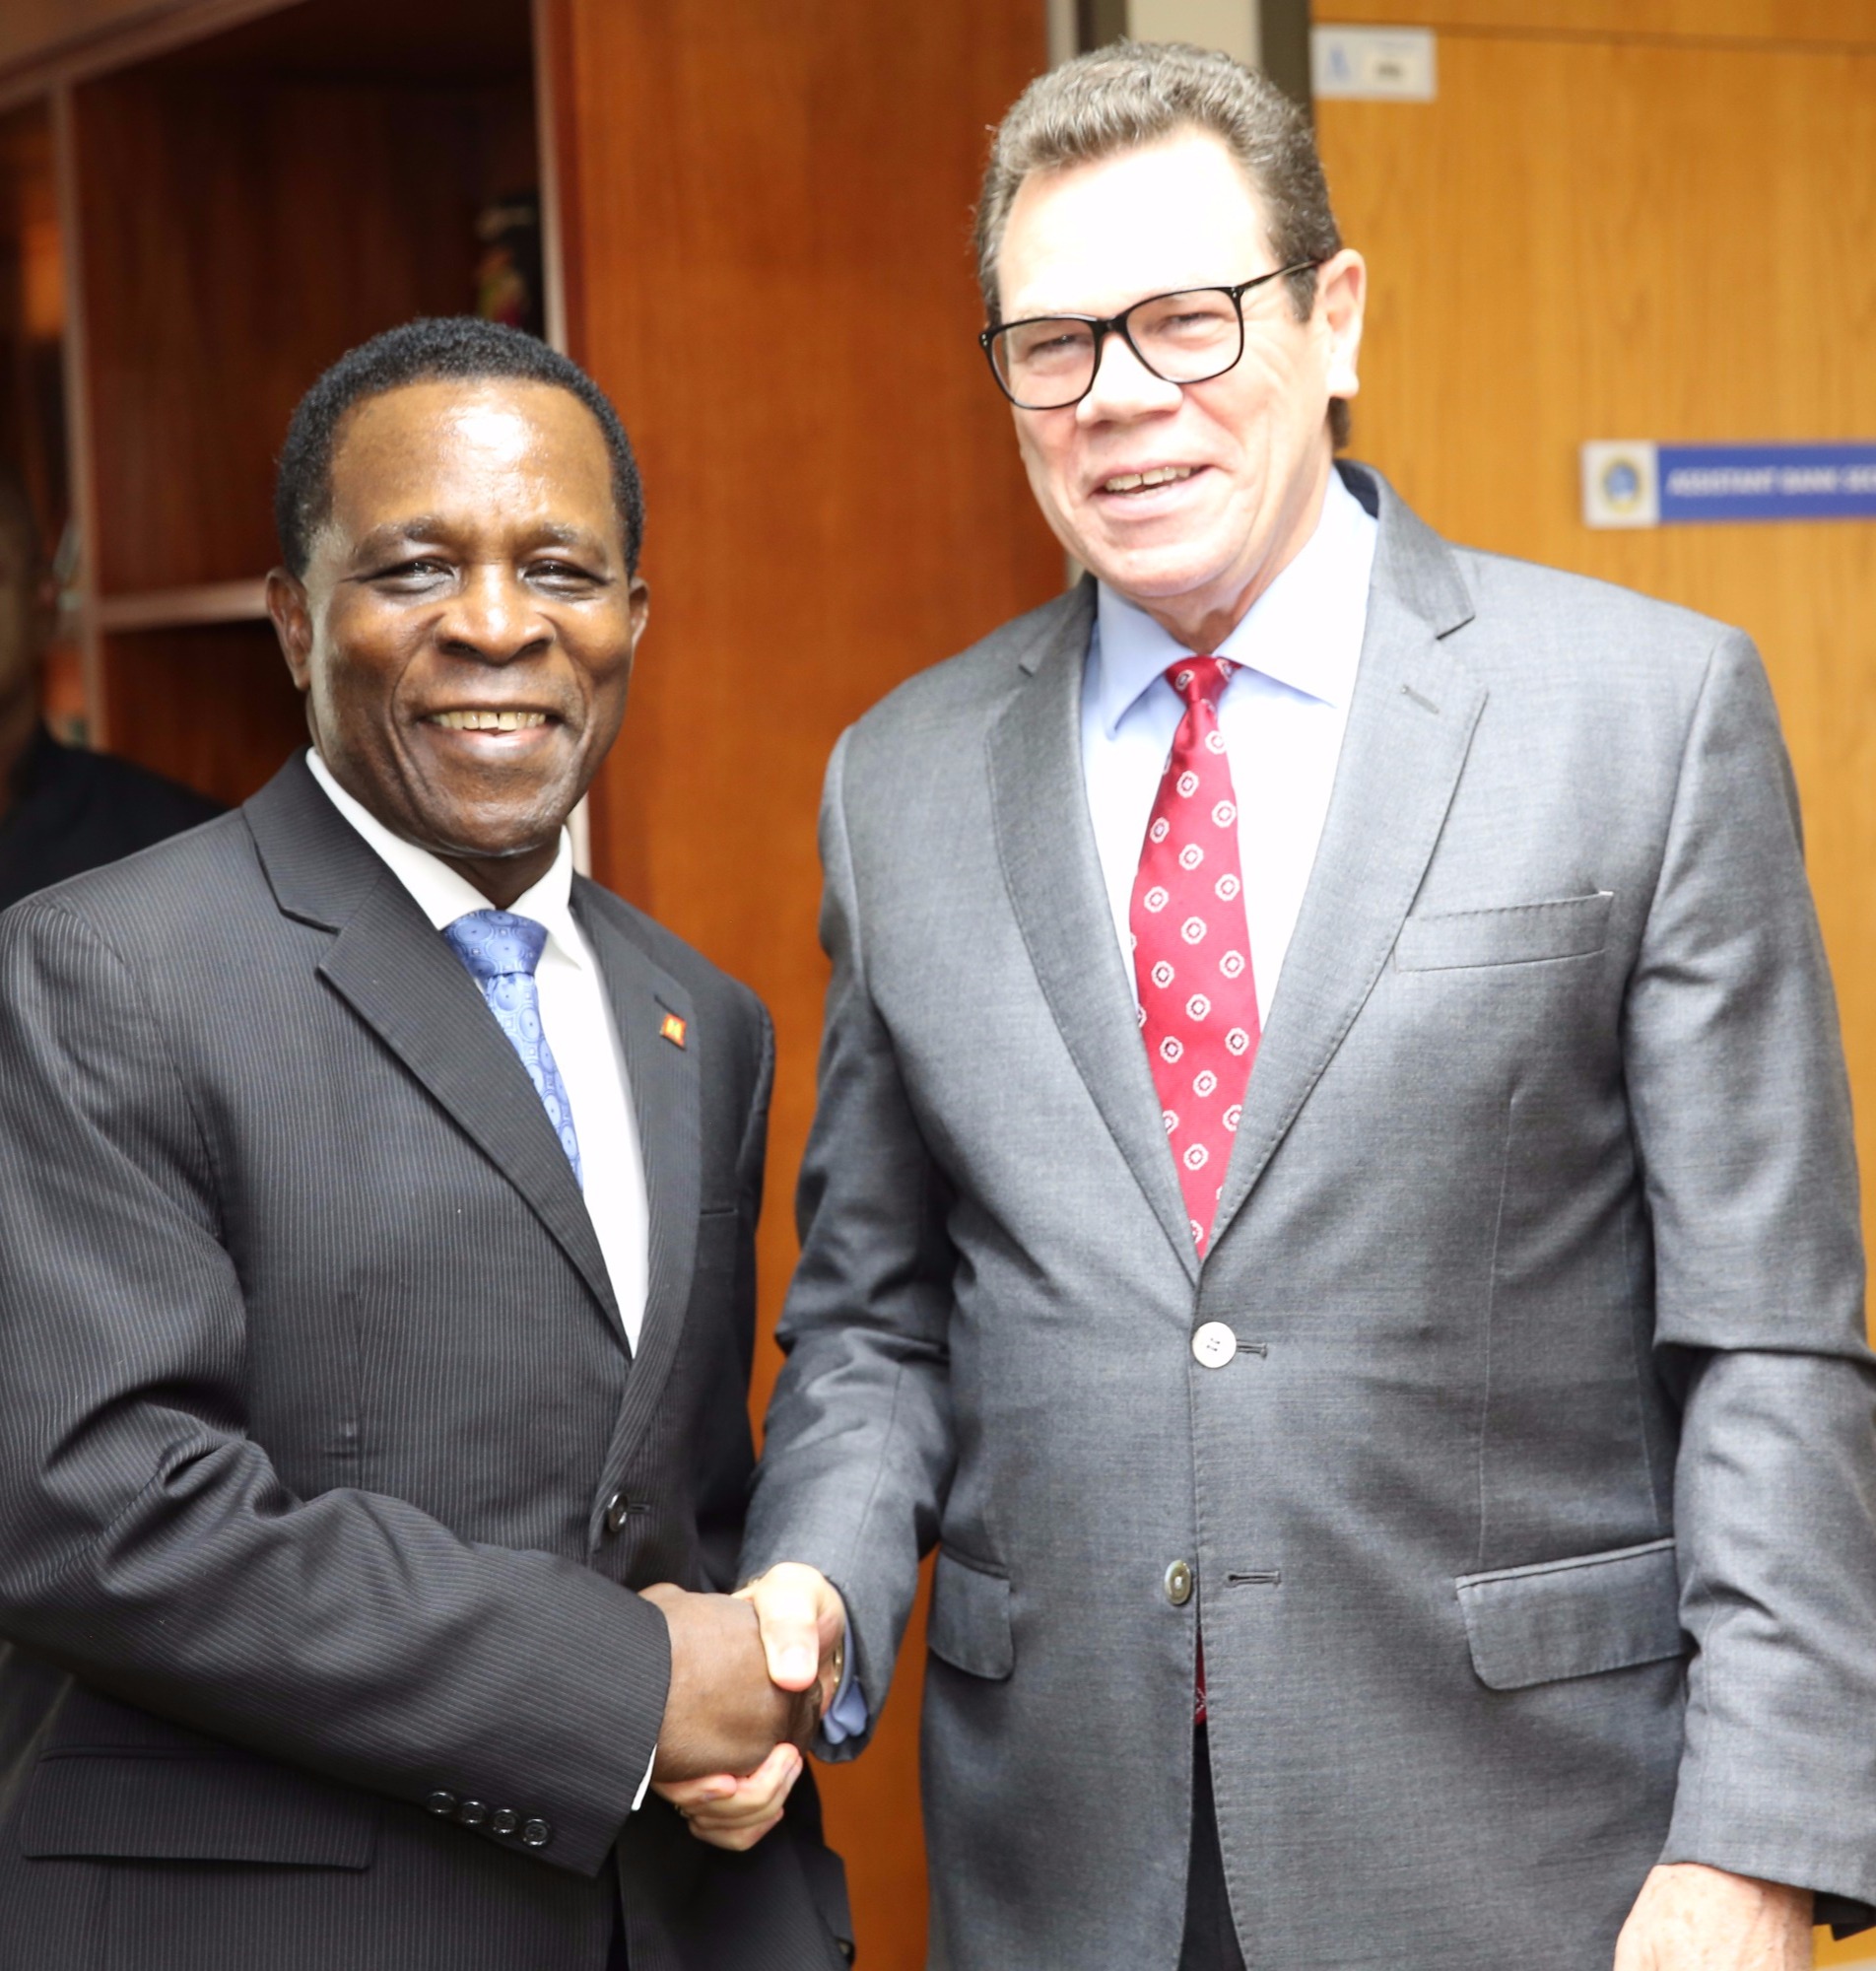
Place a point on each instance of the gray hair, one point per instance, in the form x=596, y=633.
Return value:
x=1138, y=92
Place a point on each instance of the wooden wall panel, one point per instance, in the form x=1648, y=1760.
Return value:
x=213, y=707
x=766, y=205
x=238, y=234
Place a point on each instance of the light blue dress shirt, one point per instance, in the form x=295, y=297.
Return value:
x=1283, y=715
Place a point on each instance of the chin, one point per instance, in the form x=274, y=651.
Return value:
x=1155, y=578
x=492, y=832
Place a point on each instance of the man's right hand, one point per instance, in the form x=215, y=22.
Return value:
x=803, y=1628
x=723, y=1713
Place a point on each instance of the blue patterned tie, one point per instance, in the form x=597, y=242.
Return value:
x=501, y=951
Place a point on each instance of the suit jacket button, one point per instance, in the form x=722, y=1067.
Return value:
x=1178, y=1583
x=537, y=1834
x=1214, y=1344
x=504, y=1820
x=472, y=1813
x=617, y=1507
x=441, y=1805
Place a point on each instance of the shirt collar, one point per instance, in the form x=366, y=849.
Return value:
x=443, y=894
x=1304, y=632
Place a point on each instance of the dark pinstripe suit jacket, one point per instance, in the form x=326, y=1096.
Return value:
x=315, y=1394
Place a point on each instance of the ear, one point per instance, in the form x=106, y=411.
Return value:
x=1341, y=297
x=638, y=599
x=292, y=616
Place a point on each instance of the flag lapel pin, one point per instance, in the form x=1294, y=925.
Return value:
x=673, y=1029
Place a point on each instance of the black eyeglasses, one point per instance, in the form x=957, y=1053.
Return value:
x=1050, y=361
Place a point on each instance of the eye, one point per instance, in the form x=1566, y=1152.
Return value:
x=420, y=571
x=561, y=574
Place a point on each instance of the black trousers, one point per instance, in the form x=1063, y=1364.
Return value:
x=1211, y=1941
x=616, y=1956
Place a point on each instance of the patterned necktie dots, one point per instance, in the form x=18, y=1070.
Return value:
x=501, y=951
x=1191, y=947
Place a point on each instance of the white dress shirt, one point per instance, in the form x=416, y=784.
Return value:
x=1282, y=715
x=575, y=1016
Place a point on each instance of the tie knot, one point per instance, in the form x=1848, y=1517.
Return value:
x=1200, y=678
x=496, y=944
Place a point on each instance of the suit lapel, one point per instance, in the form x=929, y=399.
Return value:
x=666, y=1101
x=403, y=980
x=1410, y=725
x=1052, y=868
x=406, y=984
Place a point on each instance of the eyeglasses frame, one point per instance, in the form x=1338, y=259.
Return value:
x=1118, y=324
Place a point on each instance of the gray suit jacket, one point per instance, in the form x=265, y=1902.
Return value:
x=1534, y=1523
x=324, y=1466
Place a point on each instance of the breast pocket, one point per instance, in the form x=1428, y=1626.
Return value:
x=1515, y=934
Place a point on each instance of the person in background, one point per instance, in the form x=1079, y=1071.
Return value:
x=377, y=1206
x=62, y=809
x=1333, y=1198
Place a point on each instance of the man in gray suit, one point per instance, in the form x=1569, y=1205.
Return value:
x=378, y=1203
x=1333, y=1191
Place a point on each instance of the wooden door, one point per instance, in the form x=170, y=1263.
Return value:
x=1646, y=219
x=765, y=212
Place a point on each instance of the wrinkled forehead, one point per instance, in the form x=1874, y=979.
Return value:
x=1088, y=239
x=495, y=427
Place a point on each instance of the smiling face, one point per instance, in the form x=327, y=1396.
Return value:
x=465, y=628
x=1187, y=500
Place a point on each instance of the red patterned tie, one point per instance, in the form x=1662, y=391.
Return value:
x=1191, y=947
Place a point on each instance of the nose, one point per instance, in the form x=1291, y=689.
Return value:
x=1123, y=386
x=493, y=618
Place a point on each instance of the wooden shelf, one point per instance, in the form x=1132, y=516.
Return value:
x=177, y=608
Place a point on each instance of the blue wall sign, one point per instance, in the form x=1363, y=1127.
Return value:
x=1638, y=483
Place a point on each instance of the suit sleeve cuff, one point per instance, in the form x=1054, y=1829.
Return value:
x=846, y=1716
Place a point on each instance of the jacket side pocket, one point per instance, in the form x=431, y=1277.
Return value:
x=969, y=1625
x=1575, y=1617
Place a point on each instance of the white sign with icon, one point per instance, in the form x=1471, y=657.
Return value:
x=1372, y=64
x=1621, y=483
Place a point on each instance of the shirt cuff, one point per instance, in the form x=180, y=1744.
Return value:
x=846, y=1716
x=645, y=1785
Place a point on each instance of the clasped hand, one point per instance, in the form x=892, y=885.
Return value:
x=752, y=1675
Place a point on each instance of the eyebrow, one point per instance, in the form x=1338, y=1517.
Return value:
x=431, y=527
x=382, y=540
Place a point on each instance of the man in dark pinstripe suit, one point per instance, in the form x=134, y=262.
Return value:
x=376, y=1214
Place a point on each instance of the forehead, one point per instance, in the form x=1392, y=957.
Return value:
x=1088, y=239
x=482, y=444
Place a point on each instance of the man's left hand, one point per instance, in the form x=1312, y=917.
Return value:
x=735, y=1813
x=1691, y=1917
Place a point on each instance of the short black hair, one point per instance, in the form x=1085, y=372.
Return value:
x=457, y=346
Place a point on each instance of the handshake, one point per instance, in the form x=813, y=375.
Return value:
x=752, y=1677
